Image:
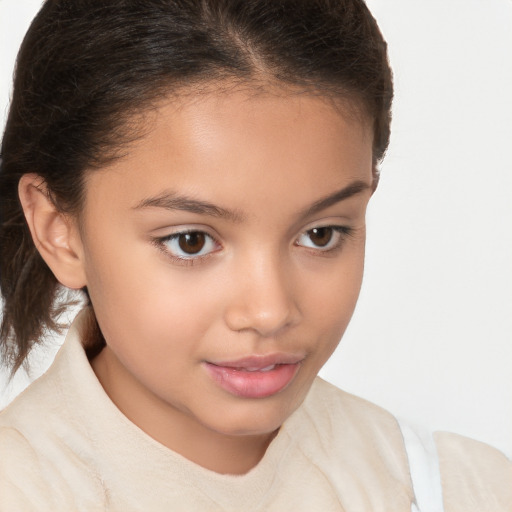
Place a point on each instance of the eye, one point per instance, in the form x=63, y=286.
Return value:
x=189, y=244
x=325, y=238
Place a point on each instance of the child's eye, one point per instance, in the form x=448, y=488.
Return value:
x=188, y=245
x=325, y=238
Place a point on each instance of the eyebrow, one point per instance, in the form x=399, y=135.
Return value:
x=350, y=190
x=173, y=201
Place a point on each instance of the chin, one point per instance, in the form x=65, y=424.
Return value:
x=241, y=430
x=253, y=419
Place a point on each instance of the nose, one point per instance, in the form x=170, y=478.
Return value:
x=263, y=298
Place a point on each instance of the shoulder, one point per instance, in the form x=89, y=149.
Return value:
x=440, y=468
x=44, y=466
x=46, y=452
x=40, y=476
x=328, y=407
x=458, y=473
x=474, y=475
x=357, y=443
x=356, y=425
x=34, y=412
x=22, y=486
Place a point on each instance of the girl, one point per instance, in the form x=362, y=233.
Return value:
x=200, y=170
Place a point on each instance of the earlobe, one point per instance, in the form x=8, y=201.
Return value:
x=55, y=234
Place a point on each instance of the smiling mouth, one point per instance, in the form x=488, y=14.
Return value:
x=254, y=377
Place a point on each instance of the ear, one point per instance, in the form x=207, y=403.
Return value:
x=55, y=235
x=375, y=177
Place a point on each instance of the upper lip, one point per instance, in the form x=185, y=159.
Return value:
x=260, y=361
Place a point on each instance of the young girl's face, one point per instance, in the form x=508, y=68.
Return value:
x=223, y=257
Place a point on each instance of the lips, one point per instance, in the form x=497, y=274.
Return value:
x=255, y=376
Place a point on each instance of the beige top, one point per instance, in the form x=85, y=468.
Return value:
x=64, y=446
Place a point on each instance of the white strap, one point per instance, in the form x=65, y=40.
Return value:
x=424, y=468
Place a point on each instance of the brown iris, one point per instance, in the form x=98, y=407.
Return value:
x=320, y=236
x=192, y=243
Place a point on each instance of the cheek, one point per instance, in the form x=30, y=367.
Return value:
x=152, y=308
x=334, y=295
x=332, y=301
x=128, y=273
x=141, y=301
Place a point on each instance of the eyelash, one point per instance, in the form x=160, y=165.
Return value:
x=343, y=232
x=163, y=244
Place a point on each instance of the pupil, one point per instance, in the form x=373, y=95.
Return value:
x=192, y=243
x=321, y=236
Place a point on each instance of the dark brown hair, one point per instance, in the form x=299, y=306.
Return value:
x=86, y=67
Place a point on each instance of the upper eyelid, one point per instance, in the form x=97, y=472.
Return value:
x=185, y=231
x=180, y=230
x=171, y=231
x=176, y=234
x=160, y=243
x=344, y=232
x=326, y=224
x=324, y=220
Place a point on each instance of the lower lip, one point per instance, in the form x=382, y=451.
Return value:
x=256, y=384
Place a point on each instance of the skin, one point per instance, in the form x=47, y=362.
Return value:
x=263, y=287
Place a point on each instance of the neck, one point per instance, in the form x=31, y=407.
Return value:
x=175, y=429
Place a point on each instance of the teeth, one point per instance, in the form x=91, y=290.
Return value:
x=258, y=369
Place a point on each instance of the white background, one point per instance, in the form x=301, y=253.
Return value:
x=431, y=336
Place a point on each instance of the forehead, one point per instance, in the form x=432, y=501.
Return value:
x=242, y=146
